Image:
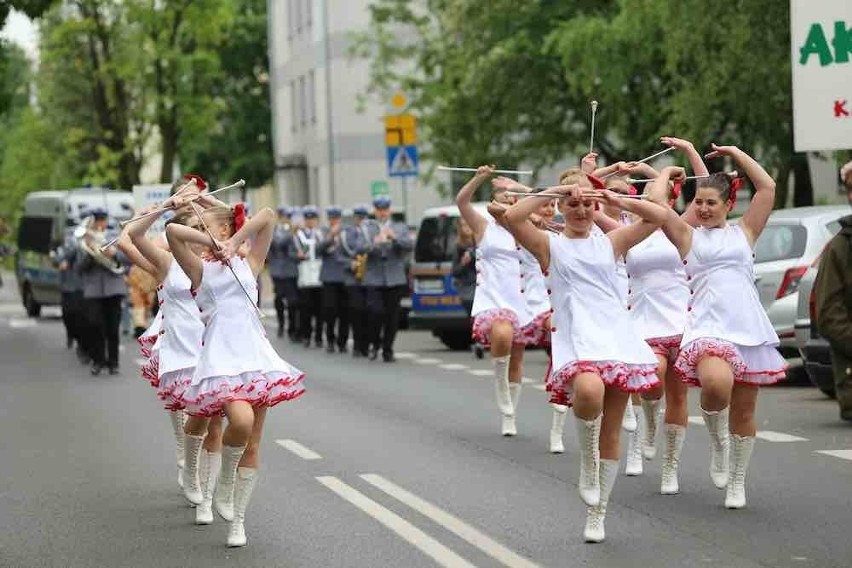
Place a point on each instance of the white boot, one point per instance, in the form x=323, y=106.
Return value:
x=628, y=421
x=246, y=480
x=594, y=531
x=675, y=434
x=634, y=464
x=717, y=426
x=178, y=419
x=557, y=427
x=589, y=434
x=223, y=494
x=501, y=386
x=191, y=483
x=651, y=410
x=510, y=427
x=208, y=470
x=741, y=448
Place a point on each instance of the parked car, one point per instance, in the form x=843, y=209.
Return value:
x=788, y=246
x=814, y=349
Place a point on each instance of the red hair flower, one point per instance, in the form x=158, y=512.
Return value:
x=597, y=182
x=199, y=181
x=736, y=184
x=676, y=188
x=239, y=216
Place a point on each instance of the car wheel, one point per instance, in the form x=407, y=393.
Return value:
x=455, y=340
x=32, y=307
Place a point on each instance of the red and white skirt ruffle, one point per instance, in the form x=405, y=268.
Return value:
x=208, y=397
x=482, y=326
x=537, y=332
x=624, y=376
x=151, y=369
x=169, y=384
x=146, y=344
x=753, y=365
x=668, y=347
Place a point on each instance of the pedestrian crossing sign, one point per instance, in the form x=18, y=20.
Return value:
x=403, y=161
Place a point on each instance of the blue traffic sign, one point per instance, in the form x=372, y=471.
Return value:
x=403, y=161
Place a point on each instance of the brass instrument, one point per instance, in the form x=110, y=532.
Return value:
x=360, y=266
x=91, y=242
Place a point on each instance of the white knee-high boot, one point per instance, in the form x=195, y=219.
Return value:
x=557, y=427
x=501, y=386
x=675, y=435
x=245, y=482
x=741, y=449
x=717, y=426
x=634, y=464
x=628, y=421
x=651, y=411
x=510, y=427
x=223, y=494
x=191, y=483
x=178, y=420
x=594, y=530
x=589, y=434
x=208, y=470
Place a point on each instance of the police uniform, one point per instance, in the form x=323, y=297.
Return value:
x=284, y=272
x=71, y=281
x=103, y=292
x=332, y=275
x=386, y=280
x=304, y=249
x=353, y=242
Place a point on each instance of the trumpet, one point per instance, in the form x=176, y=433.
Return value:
x=91, y=242
x=359, y=266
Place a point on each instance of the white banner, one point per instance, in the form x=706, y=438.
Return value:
x=821, y=34
x=147, y=195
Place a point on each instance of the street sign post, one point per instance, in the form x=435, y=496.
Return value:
x=403, y=160
x=379, y=188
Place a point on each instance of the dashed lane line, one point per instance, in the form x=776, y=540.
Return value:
x=427, y=361
x=842, y=454
x=141, y=362
x=696, y=420
x=771, y=436
x=450, y=522
x=405, y=530
x=405, y=355
x=302, y=451
x=20, y=323
x=481, y=372
x=454, y=367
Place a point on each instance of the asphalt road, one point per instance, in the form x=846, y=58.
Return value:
x=387, y=465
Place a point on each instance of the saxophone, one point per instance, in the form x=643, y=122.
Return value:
x=360, y=263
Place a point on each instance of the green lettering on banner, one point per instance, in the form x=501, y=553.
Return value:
x=842, y=42
x=815, y=44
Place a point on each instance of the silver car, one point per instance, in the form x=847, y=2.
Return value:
x=791, y=241
x=814, y=349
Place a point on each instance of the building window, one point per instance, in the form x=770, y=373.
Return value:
x=312, y=97
x=303, y=106
x=294, y=107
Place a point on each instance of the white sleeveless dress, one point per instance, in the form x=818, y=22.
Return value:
x=500, y=290
x=236, y=362
x=725, y=318
x=658, y=294
x=180, y=337
x=536, y=333
x=149, y=347
x=592, y=332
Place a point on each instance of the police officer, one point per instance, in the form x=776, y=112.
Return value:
x=388, y=247
x=103, y=291
x=284, y=272
x=305, y=249
x=353, y=243
x=332, y=275
x=71, y=281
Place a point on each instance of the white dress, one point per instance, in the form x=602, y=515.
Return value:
x=592, y=332
x=180, y=338
x=236, y=362
x=725, y=317
x=658, y=293
x=535, y=333
x=500, y=290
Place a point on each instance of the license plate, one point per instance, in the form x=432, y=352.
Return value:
x=428, y=286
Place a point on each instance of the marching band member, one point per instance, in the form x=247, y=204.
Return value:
x=499, y=308
x=597, y=373
x=304, y=248
x=284, y=271
x=332, y=276
x=238, y=371
x=353, y=244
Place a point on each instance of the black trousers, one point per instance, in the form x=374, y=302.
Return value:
x=335, y=311
x=73, y=316
x=104, y=319
x=310, y=313
x=383, y=315
x=356, y=297
x=287, y=292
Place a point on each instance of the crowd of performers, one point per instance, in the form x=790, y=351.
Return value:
x=634, y=303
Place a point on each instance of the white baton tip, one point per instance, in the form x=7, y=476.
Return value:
x=594, y=104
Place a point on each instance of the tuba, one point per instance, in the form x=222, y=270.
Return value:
x=90, y=242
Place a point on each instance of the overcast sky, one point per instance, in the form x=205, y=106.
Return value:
x=21, y=30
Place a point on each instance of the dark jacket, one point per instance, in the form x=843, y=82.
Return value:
x=278, y=260
x=334, y=262
x=387, y=261
x=464, y=276
x=833, y=290
x=99, y=282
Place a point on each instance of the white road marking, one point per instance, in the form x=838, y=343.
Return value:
x=405, y=530
x=696, y=420
x=450, y=522
x=771, y=436
x=405, y=355
x=302, y=451
x=19, y=323
x=481, y=372
x=842, y=454
x=528, y=381
x=453, y=367
x=427, y=361
x=122, y=348
x=539, y=386
x=141, y=362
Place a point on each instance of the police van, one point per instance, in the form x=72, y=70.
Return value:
x=435, y=303
x=46, y=218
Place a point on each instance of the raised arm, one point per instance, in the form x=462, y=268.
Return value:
x=675, y=227
x=261, y=227
x=135, y=256
x=696, y=163
x=180, y=237
x=533, y=239
x=476, y=221
x=159, y=259
x=626, y=237
x=607, y=170
x=763, y=201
